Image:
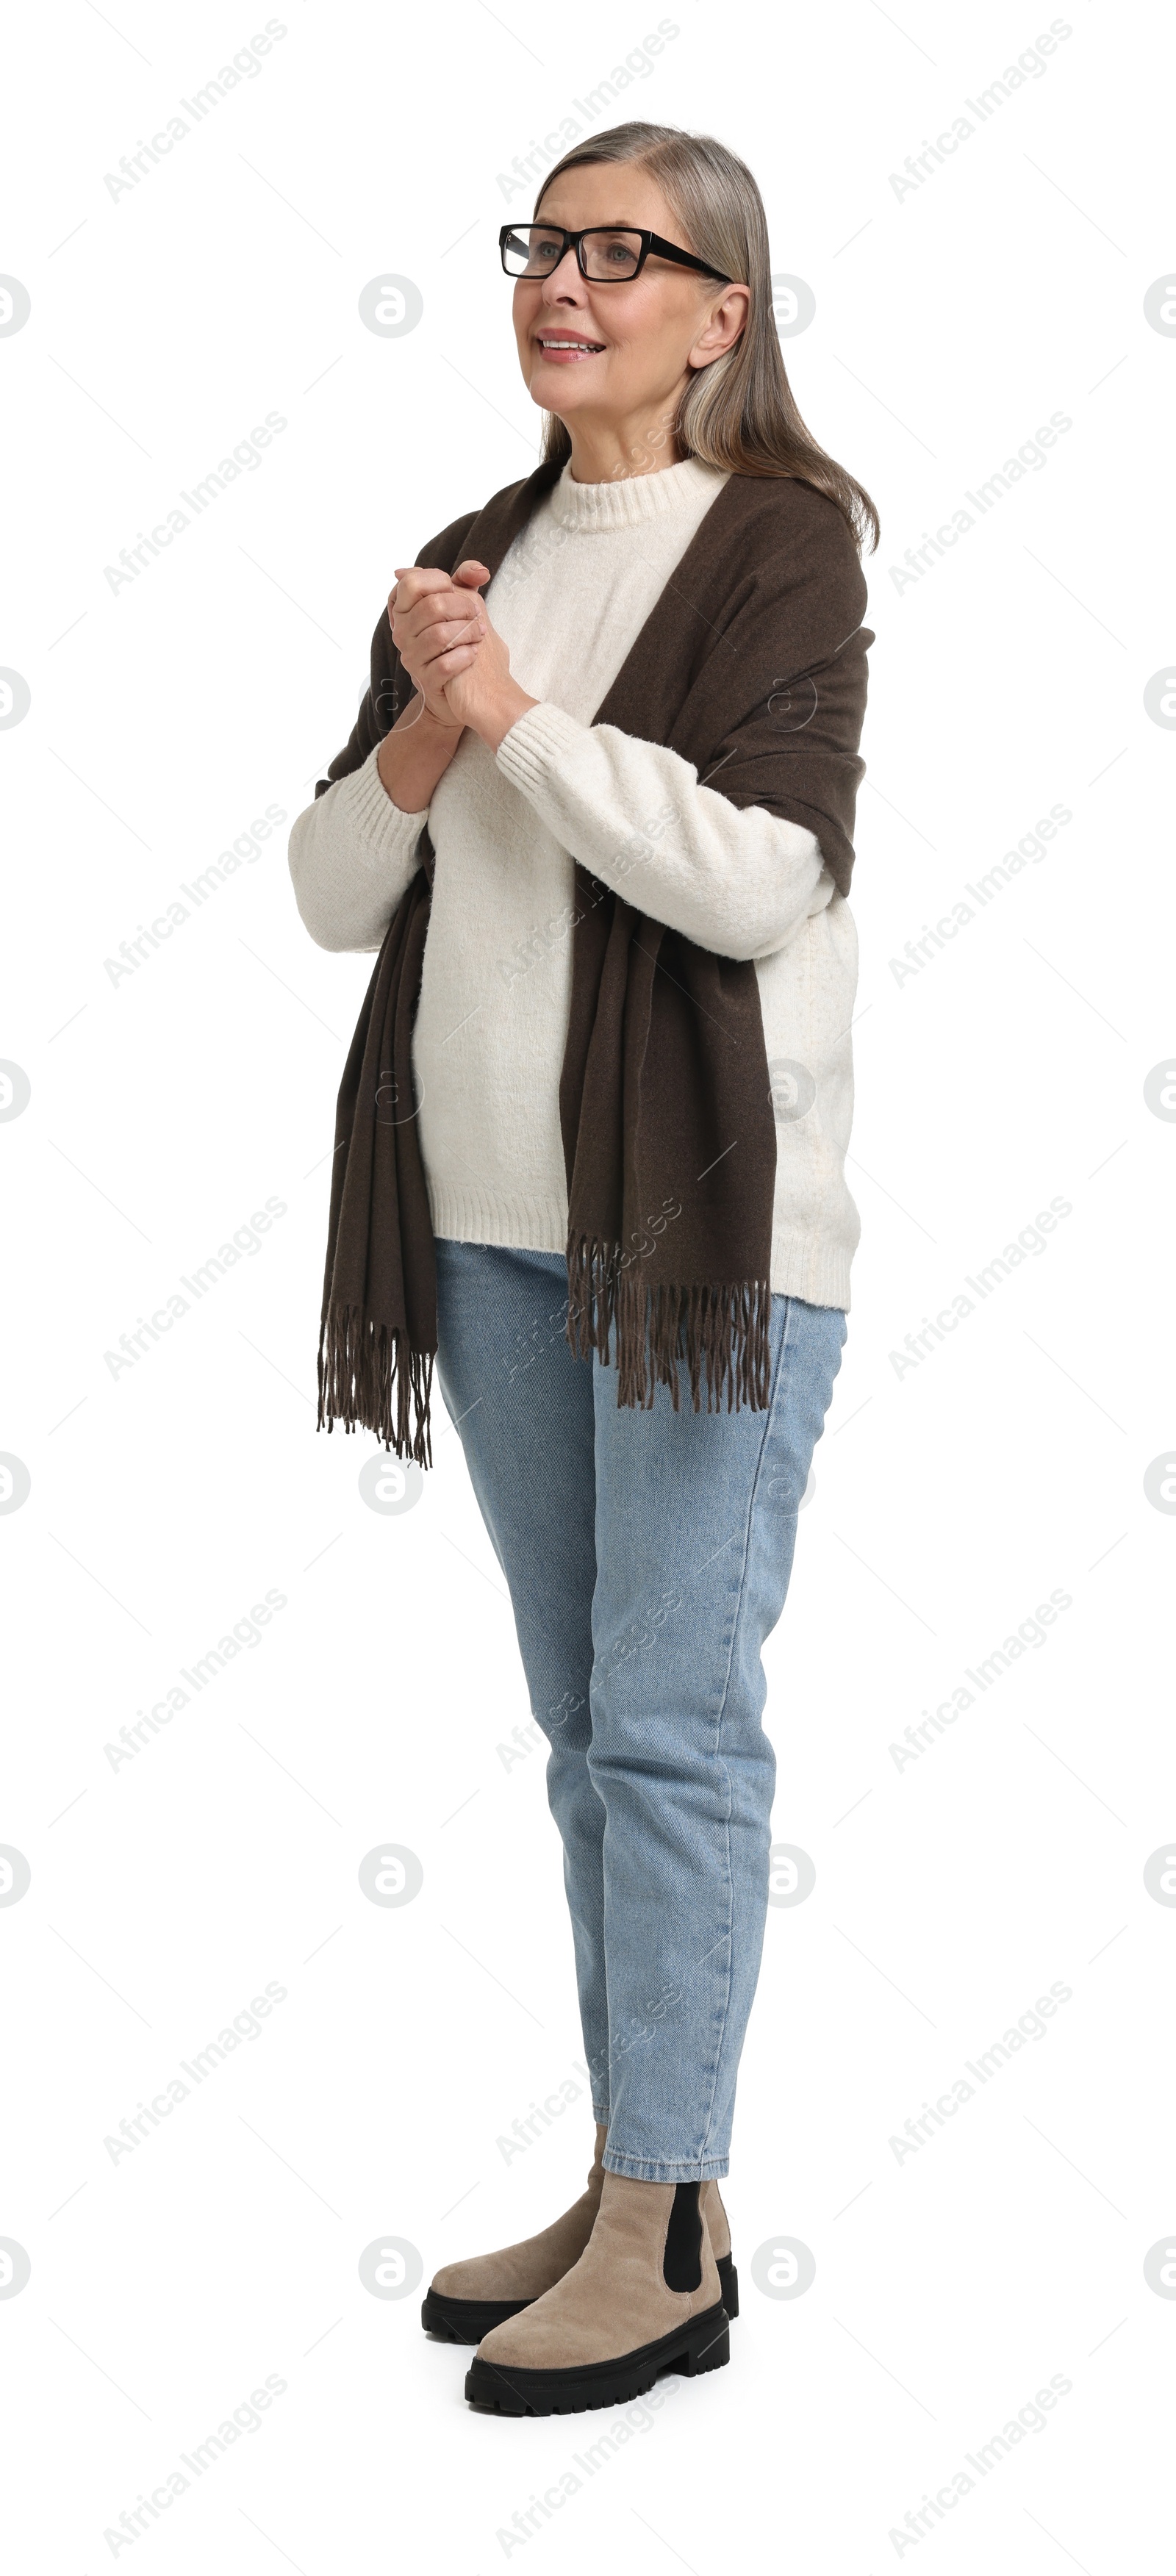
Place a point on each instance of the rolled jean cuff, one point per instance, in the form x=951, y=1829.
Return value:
x=689, y=2169
x=600, y=2114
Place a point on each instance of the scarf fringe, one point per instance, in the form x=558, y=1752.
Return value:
x=725, y=1330
x=363, y=1369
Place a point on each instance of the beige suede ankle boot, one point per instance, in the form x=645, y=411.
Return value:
x=719, y=2231
x=465, y=2299
x=644, y=2297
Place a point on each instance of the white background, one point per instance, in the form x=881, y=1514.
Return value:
x=951, y=321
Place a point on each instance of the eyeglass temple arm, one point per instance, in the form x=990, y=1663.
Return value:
x=669, y=250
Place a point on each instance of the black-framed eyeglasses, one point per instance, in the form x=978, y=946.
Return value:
x=606, y=254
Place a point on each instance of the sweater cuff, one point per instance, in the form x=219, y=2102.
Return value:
x=367, y=811
x=541, y=740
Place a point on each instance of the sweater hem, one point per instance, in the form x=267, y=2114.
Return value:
x=802, y=1265
x=520, y=1224
x=811, y=1267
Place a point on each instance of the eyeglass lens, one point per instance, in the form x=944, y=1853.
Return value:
x=533, y=250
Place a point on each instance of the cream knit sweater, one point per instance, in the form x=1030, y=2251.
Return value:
x=570, y=598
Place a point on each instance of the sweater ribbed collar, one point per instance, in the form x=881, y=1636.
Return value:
x=631, y=501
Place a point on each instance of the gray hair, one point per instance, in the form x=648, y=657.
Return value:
x=738, y=413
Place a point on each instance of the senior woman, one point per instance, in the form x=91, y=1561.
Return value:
x=590, y=1150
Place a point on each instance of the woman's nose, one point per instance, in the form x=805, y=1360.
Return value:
x=560, y=272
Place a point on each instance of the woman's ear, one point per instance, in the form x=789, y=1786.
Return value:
x=725, y=322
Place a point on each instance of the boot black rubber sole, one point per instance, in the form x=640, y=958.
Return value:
x=467, y=2320
x=498, y=2389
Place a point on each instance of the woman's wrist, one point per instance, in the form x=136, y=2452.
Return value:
x=415, y=755
x=504, y=709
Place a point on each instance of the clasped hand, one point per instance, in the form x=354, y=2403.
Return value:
x=456, y=659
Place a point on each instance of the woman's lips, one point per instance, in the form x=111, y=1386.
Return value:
x=568, y=353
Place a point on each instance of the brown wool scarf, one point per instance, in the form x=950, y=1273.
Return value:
x=752, y=666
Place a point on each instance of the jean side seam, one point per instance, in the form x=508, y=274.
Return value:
x=769, y=1417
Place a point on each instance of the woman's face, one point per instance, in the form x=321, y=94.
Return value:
x=633, y=342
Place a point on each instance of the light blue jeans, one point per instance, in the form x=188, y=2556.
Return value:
x=647, y=1556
